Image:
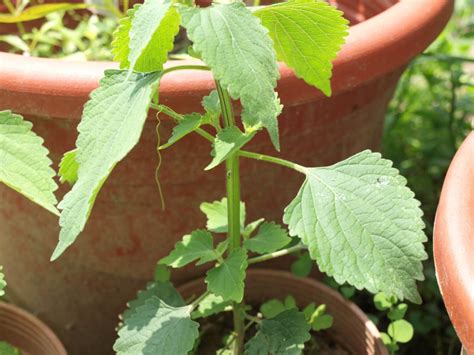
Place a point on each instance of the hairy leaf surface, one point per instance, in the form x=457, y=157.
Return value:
x=362, y=225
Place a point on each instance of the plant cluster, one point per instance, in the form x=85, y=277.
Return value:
x=357, y=219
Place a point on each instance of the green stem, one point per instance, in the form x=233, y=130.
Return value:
x=445, y=57
x=276, y=254
x=125, y=7
x=185, y=67
x=233, y=214
x=198, y=300
x=274, y=160
x=8, y=4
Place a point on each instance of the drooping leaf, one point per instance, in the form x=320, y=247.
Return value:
x=39, y=11
x=196, y=246
x=238, y=49
x=210, y=305
x=121, y=38
x=362, y=225
x=68, y=168
x=227, y=142
x=285, y=334
x=307, y=36
x=157, y=328
x=153, y=28
x=216, y=213
x=184, y=127
x=227, y=279
x=270, y=237
x=3, y=283
x=24, y=162
x=111, y=125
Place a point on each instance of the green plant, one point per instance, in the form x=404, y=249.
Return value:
x=357, y=218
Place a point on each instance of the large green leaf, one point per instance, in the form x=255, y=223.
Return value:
x=284, y=334
x=111, y=125
x=24, y=162
x=362, y=225
x=156, y=328
x=307, y=36
x=196, y=246
x=270, y=237
x=216, y=213
x=39, y=11
x=227, y=279
x=238, y=49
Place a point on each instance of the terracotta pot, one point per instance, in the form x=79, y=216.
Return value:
x=352, y=329
x=27, y=333
x=81, y=294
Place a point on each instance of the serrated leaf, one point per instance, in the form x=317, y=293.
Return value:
x=188, y=124
x=319, y=320
x=111, y=126
x=308, y=35
x=39, y=11
x=68, y=168
x=228, y=142
x=284, y=334
x=362, y=225
x=270, y=237
x=216, y=213
x=24, y=162
x=157, y=328
x=227, y=279
x=196, y=246
x=153, y=28
x=121, y=38
x=401, y=331
x=238, y=49
x=209, y=306
x=3, y=283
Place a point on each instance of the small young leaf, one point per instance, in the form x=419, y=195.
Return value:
x=3, y=283
x=270, y=237
x=319, y=320
x=284, y=334
x=24, y=162
x=210, y=305
x=251, y=227
x=307, y=36
x=302, y=266
x=227, y=279
x=184, y=127
x=398, y=312
x=347, y=291
x=272, y=308
x=362, y=225
x=111, y=126
x=290, y=302
x=227, y=142
x=382, y=302
x=157, y=328
x=216, y=213
x=401, y=331
x=238, y=49
x=212, y=105
x=68, y=168
x=197, y=246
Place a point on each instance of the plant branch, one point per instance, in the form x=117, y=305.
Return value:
x=270, y=159
x=276, y=254
x=445, y=57
x=198, y=300
x=185, y=67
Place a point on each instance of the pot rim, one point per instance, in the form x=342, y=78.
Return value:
x=35, y=323
x=374, y=47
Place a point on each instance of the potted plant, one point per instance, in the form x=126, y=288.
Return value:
x=127, y=219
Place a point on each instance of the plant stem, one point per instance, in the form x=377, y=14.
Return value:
x=445, y=57
x=276, y=254
x=198, y=300
x=8, y=4
x=233, y=214
x=274, y=160
x=125, y=7
x=185, y=67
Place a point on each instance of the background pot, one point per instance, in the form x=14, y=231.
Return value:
x=351, y=328
x=28, y=333
x=80, y=295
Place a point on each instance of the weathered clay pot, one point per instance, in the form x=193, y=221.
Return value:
x=27, y=333
x=80, y=295
x=351, y=329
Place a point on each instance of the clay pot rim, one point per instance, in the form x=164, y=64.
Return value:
x=26, y=317
x=374, y=47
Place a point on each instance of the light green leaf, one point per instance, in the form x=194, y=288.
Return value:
x=39, y=11
x=7, y=349
x=3, y=283
x=284, y=334
x=210, y=305
x=398, y=312
x=212, y=105
x=307, y=36
x=319, y=320
x=382, y=302
x=24, y=162
x=68, y=167
x=15, y=41
x=121, y=38
x=227, y=279
x=153, y=28
x=157, y=328
x=270, y=237
x=251, y=227
x=272, y=308
x=184, y=127
x=238, y=49
x=362, y=225
x=197, y=246
x=227, y=142
x=216, y=213
x=111, y=126
x=401, y=331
